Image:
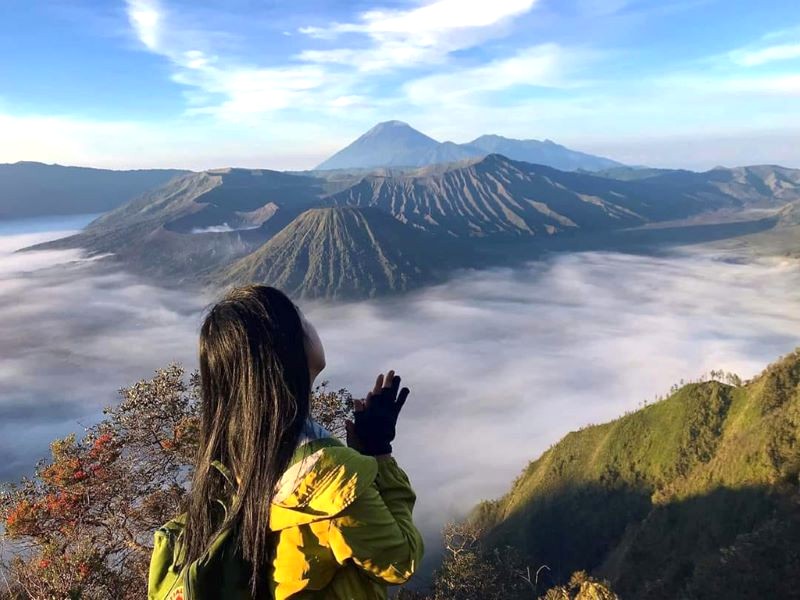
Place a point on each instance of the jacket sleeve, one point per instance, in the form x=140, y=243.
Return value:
x=376, y=531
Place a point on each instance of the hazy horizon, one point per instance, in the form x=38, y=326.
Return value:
x=637, y=158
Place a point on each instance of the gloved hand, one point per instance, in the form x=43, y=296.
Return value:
x=373, y=430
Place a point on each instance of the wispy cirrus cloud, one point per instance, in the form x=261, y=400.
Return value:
x=422, y=35
x=544, y=65
x=222, y=85
x=761, y=56
x=774, y=47
x=319, y=80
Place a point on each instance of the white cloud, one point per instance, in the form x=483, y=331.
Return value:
x=776, y=46
x=761, y=56
x=505, y=361
x=224, y=87
x=546, y=65
x=422, y=35
x=250, y=91
x=429, y=20
x=146, y=17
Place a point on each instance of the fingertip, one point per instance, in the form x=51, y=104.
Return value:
x=401, y=398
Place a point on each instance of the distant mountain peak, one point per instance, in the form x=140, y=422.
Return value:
x=489, y=136
x=390, y=144
x=383, y=125
x=495, y=158
x=396, y=144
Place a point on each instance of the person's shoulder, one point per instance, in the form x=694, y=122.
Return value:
x=325, y=475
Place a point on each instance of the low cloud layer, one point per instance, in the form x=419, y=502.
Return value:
x=71, y=336
x=501, y=363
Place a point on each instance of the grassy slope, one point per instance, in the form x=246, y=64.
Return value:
x=649, y=500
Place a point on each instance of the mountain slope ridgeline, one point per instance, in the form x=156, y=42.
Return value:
x=338, y=253
x=31, y=189
x=397, y=144
x=695, y=496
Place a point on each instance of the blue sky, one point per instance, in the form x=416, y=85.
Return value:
x=142, y=83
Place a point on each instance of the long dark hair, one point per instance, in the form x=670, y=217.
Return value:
x=255, y=399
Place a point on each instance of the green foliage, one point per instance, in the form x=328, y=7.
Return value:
x=468, y=571
x=581, y=586
x=471, y=570
x=665, y=501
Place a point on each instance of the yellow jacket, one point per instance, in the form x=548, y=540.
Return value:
x=344, y=524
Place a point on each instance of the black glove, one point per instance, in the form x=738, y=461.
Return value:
x=374, y=426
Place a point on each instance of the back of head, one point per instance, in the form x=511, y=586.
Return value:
x=255, y=399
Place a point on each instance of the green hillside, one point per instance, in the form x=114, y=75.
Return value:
x=695, y=496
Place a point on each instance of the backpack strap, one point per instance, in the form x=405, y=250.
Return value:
x=226, y=472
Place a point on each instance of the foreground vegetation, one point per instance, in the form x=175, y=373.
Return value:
x=82, y=526
x=695, y=496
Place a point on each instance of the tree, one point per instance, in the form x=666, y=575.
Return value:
x=82, y=525
x=581, y=586
x=471, y=571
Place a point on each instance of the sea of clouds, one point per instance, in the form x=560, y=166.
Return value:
x=501, y=363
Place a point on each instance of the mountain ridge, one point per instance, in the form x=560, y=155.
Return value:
x=34, y=189
x=199, y=223
x=495, y=195
x=397, y=144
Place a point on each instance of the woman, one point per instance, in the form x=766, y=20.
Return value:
x=304, y=516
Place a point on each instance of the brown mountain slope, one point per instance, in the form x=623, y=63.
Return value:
x=339, y=253
x=496, y=195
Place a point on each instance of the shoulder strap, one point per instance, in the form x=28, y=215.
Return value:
x=226, y=472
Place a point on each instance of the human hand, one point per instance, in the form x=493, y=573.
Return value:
x=373, y=429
